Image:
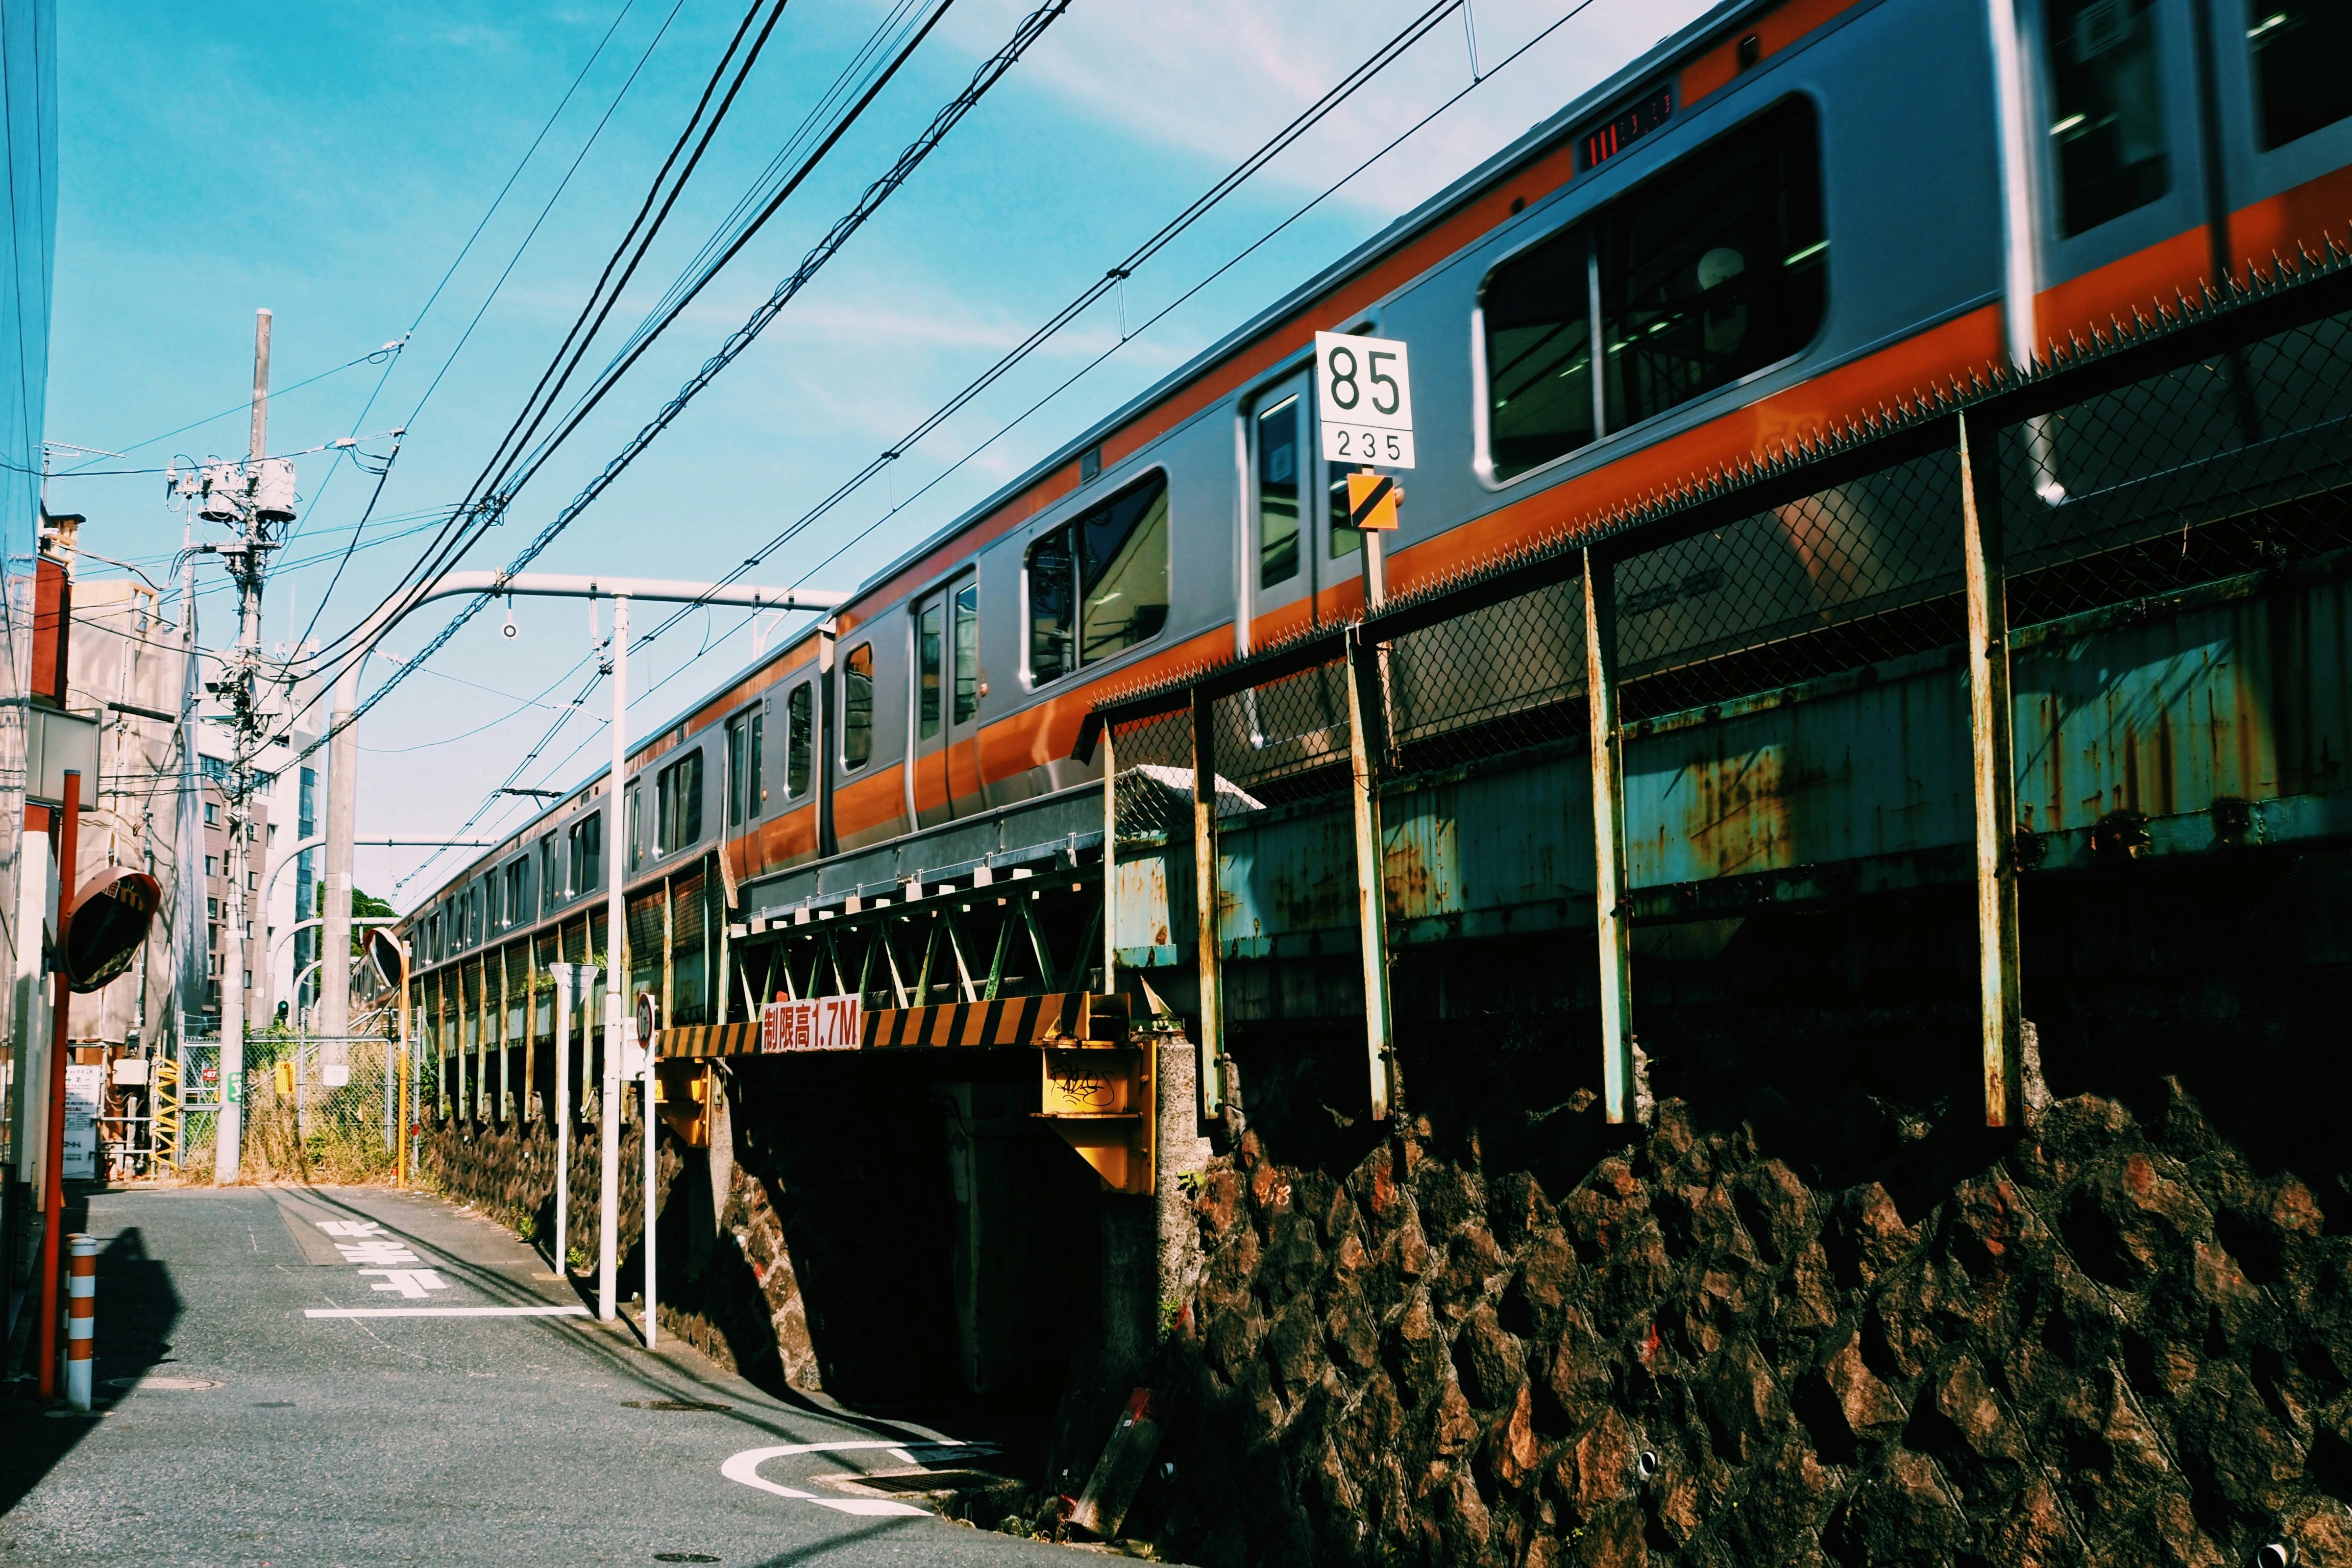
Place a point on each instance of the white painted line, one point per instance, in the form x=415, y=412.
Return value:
x=745, y=1467
x=446, y=1312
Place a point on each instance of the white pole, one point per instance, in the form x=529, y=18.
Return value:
x=648, y=1126
x=616, y=935
x=562, y=1116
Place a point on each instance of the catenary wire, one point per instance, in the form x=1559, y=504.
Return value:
x=991, y=71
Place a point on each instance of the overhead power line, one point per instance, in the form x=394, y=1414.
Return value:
x=992, y=71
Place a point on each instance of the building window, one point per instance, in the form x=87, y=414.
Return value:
x=1098, y=583
x=858, y=706
x=212, y=814
x=212, y=865
x=253, y=882
x=2107, y=109
x=800, y=737
x=585, y=842
x=212, y=907
x=677, y=802
x=306, y=801
x=216, y=931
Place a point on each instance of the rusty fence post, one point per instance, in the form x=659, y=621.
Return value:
x=1109, y=869
x=1993, y=772
x=1204, y=902
x=1367, y=745
x=1616, y=953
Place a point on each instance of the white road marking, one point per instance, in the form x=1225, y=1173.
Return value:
x=745, y=1467
x=446, y=1312
x=377, y=1252
x=411, y=1283
x=348, y=1227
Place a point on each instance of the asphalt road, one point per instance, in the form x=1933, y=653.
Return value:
x=504, y=1439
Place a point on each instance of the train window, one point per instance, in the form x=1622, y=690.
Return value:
x=2299, y=48
x=1277, y=493
x=745, y=737
x=858, y=706
x=1053, y=608
x=1713, y=270
x=1538, y=324
x=513, y=910
x=1098, y=583
x=800, y=737
x=2106, y=120
x=636, y=818
x=551, y=890
x=1718, y=270
x=927, y=624
x=677, y=804
x=967, y=652
x=586, y=841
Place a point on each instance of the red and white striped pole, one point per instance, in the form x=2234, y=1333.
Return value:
x=81, y=1317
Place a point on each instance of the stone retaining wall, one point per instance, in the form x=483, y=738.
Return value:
x=2113, y=1342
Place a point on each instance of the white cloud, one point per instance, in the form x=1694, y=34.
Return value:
x=1218, y=77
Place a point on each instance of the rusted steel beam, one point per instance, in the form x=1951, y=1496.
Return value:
x=1204, y=901
x=1367, y=741
x=1616, y=951
x=1993, y=771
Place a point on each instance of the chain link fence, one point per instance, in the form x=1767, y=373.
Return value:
x=2194, y=450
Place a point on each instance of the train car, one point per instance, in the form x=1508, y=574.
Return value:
x=1787, y=217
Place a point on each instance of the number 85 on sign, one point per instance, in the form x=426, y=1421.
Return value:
x=1363, y=398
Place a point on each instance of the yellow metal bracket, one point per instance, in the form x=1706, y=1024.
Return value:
x=1102, y=1101
x=682, y=1092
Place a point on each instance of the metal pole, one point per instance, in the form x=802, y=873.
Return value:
x=1362, y=675
x=617, y=935
x=53, y=1158
x=1204, y=902
x=81, y=1324
x=567, y=976
x=1110, y=863
x=1609, y=835
x=649, y=1142
x=1994, y=774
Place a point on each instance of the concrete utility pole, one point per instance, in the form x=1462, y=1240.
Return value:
x=246, y=562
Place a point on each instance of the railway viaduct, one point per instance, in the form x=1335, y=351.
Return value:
x=1584, y=1063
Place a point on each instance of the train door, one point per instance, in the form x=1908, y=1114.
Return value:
x=947, y=703
x=1278, y=545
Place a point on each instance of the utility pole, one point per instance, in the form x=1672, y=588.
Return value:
x=252, y=497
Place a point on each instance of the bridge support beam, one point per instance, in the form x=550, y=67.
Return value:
x=1609, y=835
x=1993, y=773
x=1367, y=746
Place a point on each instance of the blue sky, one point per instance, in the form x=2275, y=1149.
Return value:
x=329, y=160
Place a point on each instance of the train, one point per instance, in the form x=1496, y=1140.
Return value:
x=1782, y=218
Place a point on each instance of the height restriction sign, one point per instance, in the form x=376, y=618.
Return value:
x=1364, y=398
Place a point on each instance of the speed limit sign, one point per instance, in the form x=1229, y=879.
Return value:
x=1364, y=399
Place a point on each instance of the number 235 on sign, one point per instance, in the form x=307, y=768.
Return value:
x=1363, y=395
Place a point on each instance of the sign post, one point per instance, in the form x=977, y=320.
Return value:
x=1363, y=403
